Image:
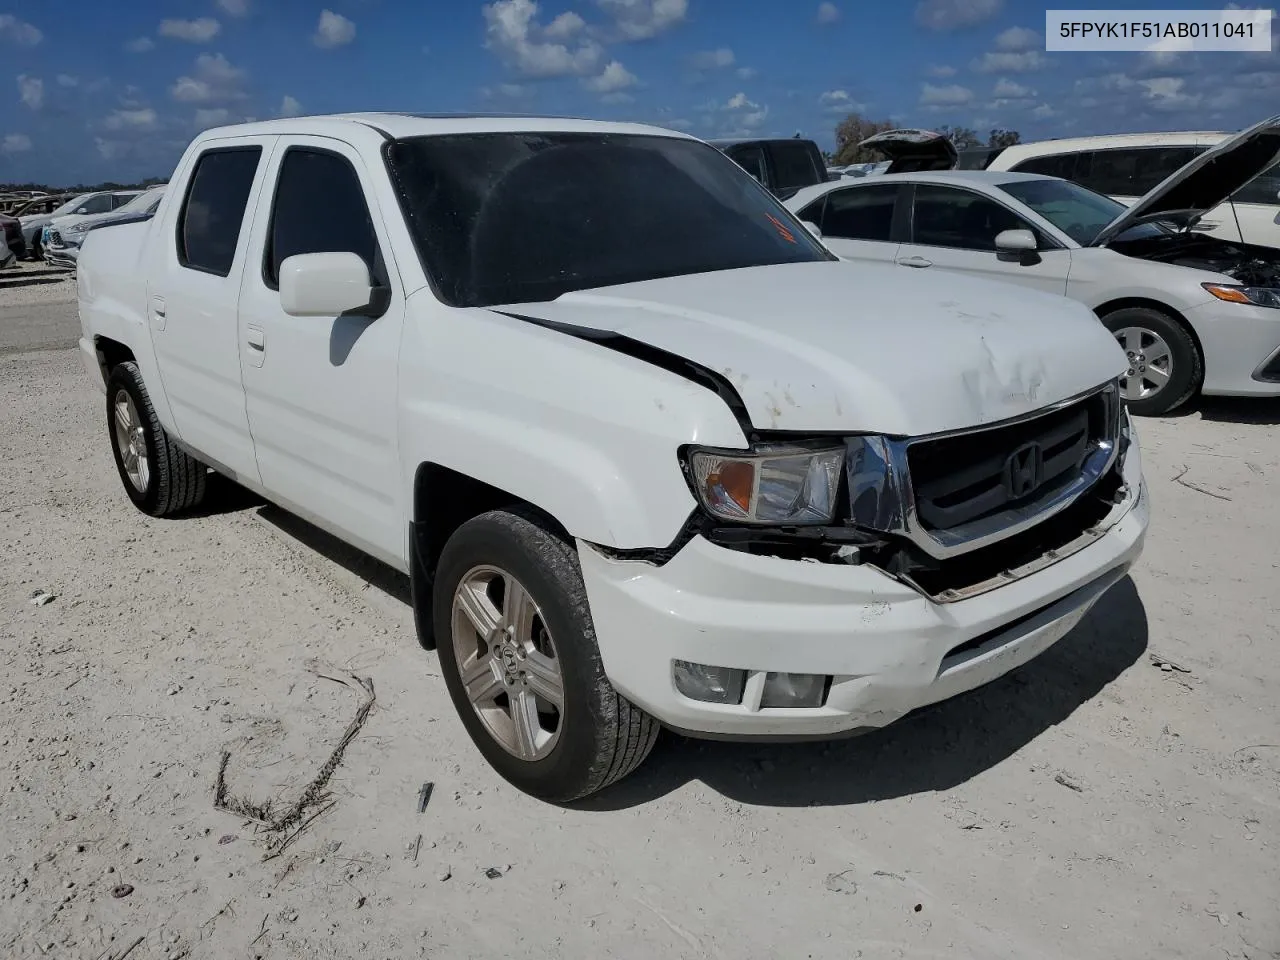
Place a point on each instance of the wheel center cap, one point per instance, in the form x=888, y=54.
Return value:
x=510, y=661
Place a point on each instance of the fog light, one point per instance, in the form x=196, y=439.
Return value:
x=794, y=690
x=697, y=681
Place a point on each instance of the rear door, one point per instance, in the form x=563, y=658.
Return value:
x=321, y=391
x=200, y=253
x=955, y=228
x=857, y=222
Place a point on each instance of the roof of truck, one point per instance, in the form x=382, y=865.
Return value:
x=400, y=125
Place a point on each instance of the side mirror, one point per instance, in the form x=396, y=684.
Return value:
x=812, y=228
x=1019, y=245
x=328, y=285
x=80, y=211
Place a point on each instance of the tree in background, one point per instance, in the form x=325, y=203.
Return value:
x=1004, y=138
x=962, y=138
x=850, y=132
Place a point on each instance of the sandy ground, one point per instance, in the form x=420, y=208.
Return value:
x=1092, y=804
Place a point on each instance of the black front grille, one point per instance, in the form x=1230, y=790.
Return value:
x=55, y=237
x=966, y=478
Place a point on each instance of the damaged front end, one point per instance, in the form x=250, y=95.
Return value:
x=953, y=515
x=1247, y=264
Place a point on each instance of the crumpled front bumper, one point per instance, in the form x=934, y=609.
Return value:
x=888, y=648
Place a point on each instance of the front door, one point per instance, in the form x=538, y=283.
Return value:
x=192, y=301
x=955, y=229
x=321, y=391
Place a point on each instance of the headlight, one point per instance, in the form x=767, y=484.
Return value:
x=1258, y=296
x=768, y=484
x=79, y=228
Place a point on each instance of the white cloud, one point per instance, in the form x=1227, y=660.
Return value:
x=642, y=19
x=512, y=91
x=15, y=143
x=1044, y=112
x=613, y=78
x=66, y=80
x=207, y=117
x=951, y=95
x=942, y=71
x=514, y=34
x=19, y=32
x=744, y=116
x=828, y=13
x=290, y=107
x=712, y=59
x=746, y=73
x=1017, y=38
x=1008, y=89
x=31, y=91
x=1010, y=62
x=333, y=30
x=234, y=8
x=110, y=149
x=839, y=101
x=954, y=14
x=143, y=119
x=193, y=31
x=1166, y=94
x=565, y=26
x=140, y=45
x=213, y=80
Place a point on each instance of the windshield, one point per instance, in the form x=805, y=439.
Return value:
x=142, y=203
x=519, y=217
x=1075, y=210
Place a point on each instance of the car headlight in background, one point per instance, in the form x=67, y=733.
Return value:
x=769, y=484
x=1258, y=296
x=79, y=228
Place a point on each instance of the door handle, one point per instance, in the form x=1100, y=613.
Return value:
x=917, y=262
x=256, y=339
x=157, y=310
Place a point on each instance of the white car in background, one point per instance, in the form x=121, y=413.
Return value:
x=1194, y=313
x=66, y=235
x=36, y=228
x=1127, y=166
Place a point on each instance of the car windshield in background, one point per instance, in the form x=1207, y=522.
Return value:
x=521, y=217
x=1075, y=210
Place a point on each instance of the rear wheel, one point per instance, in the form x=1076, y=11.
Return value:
x=1165, y=367
x=159, y=477
x=518, y=652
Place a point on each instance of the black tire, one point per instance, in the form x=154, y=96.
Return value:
x=602, y=737
x=176, y=480
x=37, y=253
x=1187, y=365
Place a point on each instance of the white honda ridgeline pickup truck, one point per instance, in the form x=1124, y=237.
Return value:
x=649, y=453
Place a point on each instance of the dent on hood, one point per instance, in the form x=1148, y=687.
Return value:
x=997, y=382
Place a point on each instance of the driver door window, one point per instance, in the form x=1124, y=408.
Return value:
x=99, y=204
x=857, y=222
x=751, y=159
x=956, y=229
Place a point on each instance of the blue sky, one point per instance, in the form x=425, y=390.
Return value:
x=115, y=90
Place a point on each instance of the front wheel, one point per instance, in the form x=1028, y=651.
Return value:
x=37, y=252
x=518, y=653
x=1165, y=366
x=160, y=478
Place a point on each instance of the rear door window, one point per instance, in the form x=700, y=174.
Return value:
x=1131, y=171
x=860, y=213
x=751, y=159
x=1264, y=188
x=213, y=211
x=1055, y=165
x=794, y=165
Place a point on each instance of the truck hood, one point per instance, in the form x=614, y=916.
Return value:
x=1196, y=188
x=838, y=346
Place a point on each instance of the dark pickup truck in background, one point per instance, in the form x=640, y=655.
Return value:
x=784, y=165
